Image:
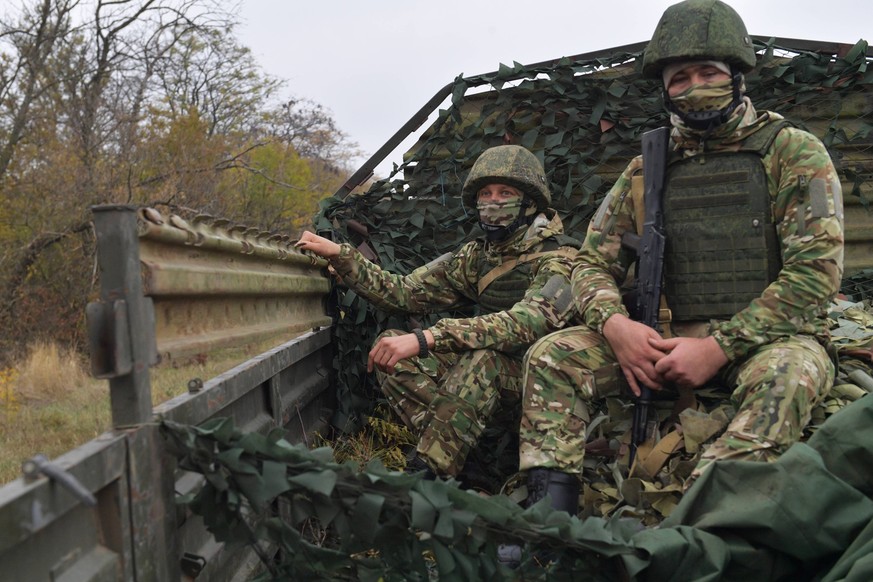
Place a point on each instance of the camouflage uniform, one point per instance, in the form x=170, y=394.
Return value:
x=472, y=376
x=778, y=364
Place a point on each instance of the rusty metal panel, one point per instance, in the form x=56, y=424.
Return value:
x=152, y=512
x=46, y=533
x=134, y=531
x=215, y=285
x=211, y=287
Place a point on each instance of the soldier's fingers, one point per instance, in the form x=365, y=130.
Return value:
x=371, y=357
x=382, y=358
x=648, y=376
x=664, y=345
x=632, y=381
x=380, y=352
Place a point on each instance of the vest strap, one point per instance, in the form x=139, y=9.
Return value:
x=509, y=265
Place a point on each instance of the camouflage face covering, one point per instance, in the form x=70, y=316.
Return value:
x=500, y=213
x=711, y=97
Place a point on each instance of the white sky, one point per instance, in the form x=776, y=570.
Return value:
x=374, y=63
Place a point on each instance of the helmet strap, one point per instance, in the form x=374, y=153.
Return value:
x=708, y=121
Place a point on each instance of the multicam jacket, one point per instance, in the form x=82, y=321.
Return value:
x=806, y=206
x=452, y=281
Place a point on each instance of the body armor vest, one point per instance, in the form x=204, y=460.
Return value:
x=509, y=288
x=721, y=249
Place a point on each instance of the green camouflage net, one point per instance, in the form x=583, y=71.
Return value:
x=583, y=119
x=740, y=521
x=381, y=525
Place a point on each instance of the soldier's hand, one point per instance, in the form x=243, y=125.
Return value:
x=317, y=244
x=636, y=355
x=390, y=350
x=690, y=361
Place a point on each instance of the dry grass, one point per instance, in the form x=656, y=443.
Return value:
x=382, y=438
x=50, y=404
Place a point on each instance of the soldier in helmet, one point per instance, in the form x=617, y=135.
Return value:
x=754, y=254
x=448, y=381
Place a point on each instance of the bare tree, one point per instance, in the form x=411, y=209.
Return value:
x=126, y=41
x=24, y=70
x=209, y=71
x=310, y=128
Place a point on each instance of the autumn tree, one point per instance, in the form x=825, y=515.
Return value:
x=143, y=102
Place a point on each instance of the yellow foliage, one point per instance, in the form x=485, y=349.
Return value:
x=8, y=379
x=381, y=439
x=275, y=187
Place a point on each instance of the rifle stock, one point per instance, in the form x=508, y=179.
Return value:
x=650, y=261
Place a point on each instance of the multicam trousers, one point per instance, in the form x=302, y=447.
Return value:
x=448, y=400
x=774, y=391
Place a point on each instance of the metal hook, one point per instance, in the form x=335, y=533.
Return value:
x=40, y=465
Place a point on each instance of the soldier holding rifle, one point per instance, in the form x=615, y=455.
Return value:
x=752, y=216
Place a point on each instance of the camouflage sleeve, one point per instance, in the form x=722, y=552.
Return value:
x=547, y=306
x=602, y=263
x=808, y=211
x=429, y=288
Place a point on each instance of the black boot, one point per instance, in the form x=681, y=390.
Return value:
x=563, y=490
x=562, y=487
x=418, y=465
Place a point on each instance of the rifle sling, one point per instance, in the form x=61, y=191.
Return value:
x=638, y=193
x=652, y=458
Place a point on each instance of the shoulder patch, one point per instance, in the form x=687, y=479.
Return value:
x=818, y=198
x=558, y=292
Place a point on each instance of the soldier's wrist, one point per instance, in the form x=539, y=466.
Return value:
x=423, y=348
x=606, y=313
x=726, y=345
x=433, y=337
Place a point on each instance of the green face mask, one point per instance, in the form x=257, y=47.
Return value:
x=499, y=213
x=700, y=98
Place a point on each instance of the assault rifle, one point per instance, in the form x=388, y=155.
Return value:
x=645, y=303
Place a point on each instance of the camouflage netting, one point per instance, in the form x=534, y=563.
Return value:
x=806, y=516
x=583, y=119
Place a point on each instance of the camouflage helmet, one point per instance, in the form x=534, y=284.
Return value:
x=699, y=30
x=512, y=165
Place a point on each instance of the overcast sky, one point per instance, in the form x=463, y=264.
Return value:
x=374, y=63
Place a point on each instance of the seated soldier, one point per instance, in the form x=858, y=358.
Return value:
x=450, y=381
x=754, y=254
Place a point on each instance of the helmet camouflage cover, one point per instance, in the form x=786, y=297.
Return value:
x=512, y=165
x=697, y=30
